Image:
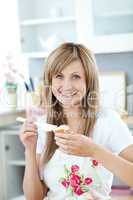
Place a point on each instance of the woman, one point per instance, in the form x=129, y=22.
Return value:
x=78, y=163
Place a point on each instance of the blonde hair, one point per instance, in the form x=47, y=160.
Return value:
x=60, y=58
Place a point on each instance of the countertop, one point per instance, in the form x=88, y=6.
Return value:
x=9, y=116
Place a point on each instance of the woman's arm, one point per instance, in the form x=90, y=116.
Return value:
x=121, y=165
x=33, y=188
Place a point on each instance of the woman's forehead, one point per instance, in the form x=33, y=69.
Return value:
x=73, y=67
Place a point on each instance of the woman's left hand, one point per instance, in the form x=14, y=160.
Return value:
x=75, y=144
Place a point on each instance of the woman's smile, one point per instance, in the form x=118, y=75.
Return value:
x=67, y=95
x=69, y=86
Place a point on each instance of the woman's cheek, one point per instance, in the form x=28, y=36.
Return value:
x=55, y=87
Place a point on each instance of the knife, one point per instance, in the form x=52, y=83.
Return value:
x=41, y=125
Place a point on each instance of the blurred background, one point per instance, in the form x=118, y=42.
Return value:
x=30, y=30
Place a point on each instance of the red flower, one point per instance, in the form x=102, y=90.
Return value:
x=75, y=180
x=95, y=163
x=78, y=191
x=74, y=168
x=88, y=180
x=65, y=183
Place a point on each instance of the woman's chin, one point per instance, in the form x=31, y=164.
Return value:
x=70, y=103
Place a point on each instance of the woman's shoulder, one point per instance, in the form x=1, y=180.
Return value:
x=107, y=118
x=107, y=113
x=110, y=119
x=107, y=123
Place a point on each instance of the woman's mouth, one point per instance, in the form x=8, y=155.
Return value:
x=68, y=96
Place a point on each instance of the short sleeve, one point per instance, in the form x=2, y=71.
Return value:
x=119, y=136
x=41, y=140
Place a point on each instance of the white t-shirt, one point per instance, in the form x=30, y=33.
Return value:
x=109, y=131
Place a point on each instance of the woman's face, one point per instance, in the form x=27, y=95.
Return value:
x=69, y=86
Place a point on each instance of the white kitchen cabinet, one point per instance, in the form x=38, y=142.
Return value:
x=104, y=26
x=45, y=24
x=13, y=163
x=108, y=26
x=112, y=17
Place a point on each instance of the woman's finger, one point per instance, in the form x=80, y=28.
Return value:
x=31, y=127
x=66, y=151
x=30, y=130
x=68, y=131
x=64, y=146
x=66, y=136
x=60, y=135
x=28, y=125
x=28, y=134
x=64, y=141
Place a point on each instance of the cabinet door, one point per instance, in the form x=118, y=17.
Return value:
x=106, y=25
x=2, y=180
x=45, y=24
x=112, y=17
x=13, y=164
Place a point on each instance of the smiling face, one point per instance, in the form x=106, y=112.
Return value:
x=69, y=86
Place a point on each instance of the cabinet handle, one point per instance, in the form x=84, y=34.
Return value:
x=7, y=147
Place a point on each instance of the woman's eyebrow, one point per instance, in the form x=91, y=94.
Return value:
x=59, y=73
x=75, y=72
x=70, y=73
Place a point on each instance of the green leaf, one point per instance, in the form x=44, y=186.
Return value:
x=82, y=177
x=61, y=179
x=85, y=188
x=70, y=190
x=78, y=173
x=67, y=172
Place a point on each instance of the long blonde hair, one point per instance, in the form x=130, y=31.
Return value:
x=60, y=58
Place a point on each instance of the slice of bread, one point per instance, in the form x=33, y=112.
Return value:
x=62, y=128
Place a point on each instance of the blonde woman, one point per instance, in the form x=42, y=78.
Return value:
x=78, y=163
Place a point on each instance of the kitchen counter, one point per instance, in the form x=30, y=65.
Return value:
x=9, y=117
x=129, y=121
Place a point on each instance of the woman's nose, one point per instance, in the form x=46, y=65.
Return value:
x=67, y=84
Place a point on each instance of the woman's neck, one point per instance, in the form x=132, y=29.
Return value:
x=74, y=119
x=72, y=112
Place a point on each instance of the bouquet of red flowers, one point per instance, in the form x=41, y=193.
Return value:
x=75, y=182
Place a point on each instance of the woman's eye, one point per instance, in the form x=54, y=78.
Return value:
x=76, y=76
x=59, y=76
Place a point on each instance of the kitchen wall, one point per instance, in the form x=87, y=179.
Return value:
x=111, y=61
x=117, y=61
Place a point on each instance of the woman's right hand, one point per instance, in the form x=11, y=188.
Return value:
x=28, y=135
